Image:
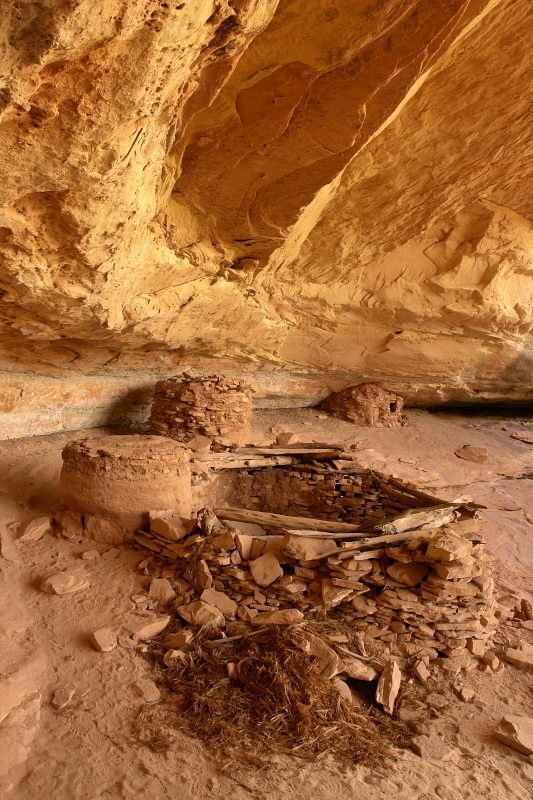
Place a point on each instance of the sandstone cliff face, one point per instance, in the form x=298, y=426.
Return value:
x=311, y=194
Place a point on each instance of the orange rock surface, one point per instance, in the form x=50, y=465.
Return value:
x=312, y=195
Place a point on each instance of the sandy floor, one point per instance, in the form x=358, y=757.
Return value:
x=89, y=751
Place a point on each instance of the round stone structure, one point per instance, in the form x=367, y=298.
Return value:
x=219, y=408
x=122, y=478
x=366, y=404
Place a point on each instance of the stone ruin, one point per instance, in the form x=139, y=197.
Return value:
x=366, y=404
x=407, y=571
x=214, y=407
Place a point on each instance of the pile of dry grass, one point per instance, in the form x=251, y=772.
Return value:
x=277, y=700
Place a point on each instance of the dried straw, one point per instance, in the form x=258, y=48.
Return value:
x=278, y=701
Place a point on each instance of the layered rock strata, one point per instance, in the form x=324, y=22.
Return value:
x=336, y=189
x=215, y=407
x=117, y=479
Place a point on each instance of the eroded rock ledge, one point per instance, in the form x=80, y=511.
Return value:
x=311, y=194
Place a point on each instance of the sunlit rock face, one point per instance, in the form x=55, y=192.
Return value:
x=305, y=194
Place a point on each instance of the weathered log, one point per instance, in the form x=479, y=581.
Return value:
x=434, y=517
x=360, y=546
x=281, y=521
x=232, y=461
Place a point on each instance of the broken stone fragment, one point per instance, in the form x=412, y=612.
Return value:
x=172, y=656
x=103, y=640
x=67, y=582
x=144, y=629
x=224, y=541
x=466, y=693
x=327, y=661
x=521, y=657
x=201, y=614
x=69, y=524
x=148, y=690
x=103, y=531
x=287, y=616
x=435, y=700
x=287, y=437
x=33, y=529
x=478, y=455
x=448, y=546
x=171, y=528
x=389, y=686
x=90, y=555
x=246, y=614
x=63, y=697
x=305, y=548
x=343, y=689
x=161, y=591
x=265, y=569
x=200, y=445
x=421, y=671
x=177, y=640
x=432, y=747
x=244, y=545
x=221, y=601
x=410, y=574
x=333, y=595
x=358, y=670
x=202, y=576
x=111, y=555
x=516, y=732
x=476, y=647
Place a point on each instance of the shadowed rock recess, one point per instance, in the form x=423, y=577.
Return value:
x=303, y=195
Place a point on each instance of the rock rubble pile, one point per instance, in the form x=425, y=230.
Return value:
x=423, y=597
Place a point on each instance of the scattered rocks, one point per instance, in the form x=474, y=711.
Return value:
x=358, y=670
x=389, y=686
x=171, y=656
x=516, y=732
x=221, y=601
x=287, y=437
x=478, y=455
x=148, y=690
x=33, y=529
x=343, y=689
x=437, y=701
x=328, y=662
x=201, y=614
x=162, y=591
x=147, y=629
x=63, y=697
x=90, y=555
x=521, y=657
x=103, y=640
x=432, y=747
x=111, y=554
x=288, y=616
x=171, y=528
x=67, y=582
x=178, y=640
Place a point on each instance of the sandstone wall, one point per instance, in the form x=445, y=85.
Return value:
x=337, y=189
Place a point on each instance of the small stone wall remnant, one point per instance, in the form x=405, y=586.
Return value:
x=117, y=479
x=366, y=404
x=219, y=408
